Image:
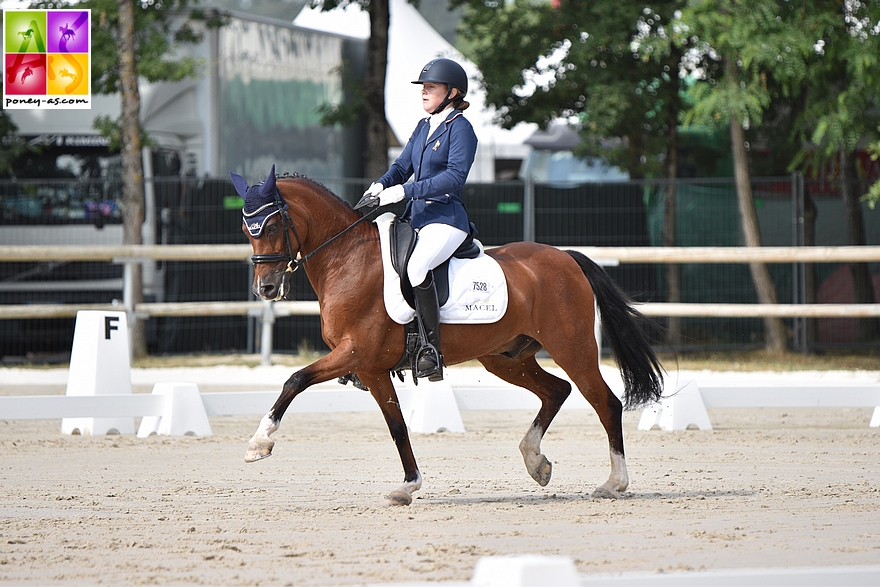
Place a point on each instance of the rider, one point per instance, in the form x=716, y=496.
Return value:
x=439, y=154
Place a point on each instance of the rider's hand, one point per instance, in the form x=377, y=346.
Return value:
x=374, y=190
x=391, y=195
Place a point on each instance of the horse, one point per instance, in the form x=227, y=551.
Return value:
x=551, y=306
x=66, y=32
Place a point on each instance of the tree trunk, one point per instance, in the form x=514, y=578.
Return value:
x=863, y=288
x=775, y=335
x=376, y=154
x=673, y=270
x=132, y=162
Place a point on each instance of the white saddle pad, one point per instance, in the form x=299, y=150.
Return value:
x=477, y=287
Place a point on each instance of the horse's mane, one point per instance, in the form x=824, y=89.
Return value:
x=314, y=182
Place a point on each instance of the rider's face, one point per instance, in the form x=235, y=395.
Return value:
x=433, y=94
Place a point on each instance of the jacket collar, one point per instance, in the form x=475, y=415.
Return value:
x=440, y=129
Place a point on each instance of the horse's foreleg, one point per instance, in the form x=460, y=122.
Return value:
x=260, y=445
x=382, y=390
x=328, y=367
x=525, y=372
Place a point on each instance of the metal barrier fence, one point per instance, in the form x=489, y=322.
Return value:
x=205, y=211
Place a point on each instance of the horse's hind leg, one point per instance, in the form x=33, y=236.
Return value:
x=552, y=391
x=583, y=368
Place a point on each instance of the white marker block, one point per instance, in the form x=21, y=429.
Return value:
x=683, y=409
x=184, y=413
x=434, y=408
x=99, y=365
x=525, y=571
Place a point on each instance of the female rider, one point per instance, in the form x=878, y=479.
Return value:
x=438, y=156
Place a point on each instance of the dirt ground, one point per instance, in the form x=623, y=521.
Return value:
x=765, y=488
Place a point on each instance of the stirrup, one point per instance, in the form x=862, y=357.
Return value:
x=429, y=364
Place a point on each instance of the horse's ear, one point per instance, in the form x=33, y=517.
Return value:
x=241, y=186
x=268, y=187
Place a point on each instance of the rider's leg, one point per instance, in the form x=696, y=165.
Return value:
x=435, y=244
x=429, y=361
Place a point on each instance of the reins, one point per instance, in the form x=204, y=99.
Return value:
x=287, y=225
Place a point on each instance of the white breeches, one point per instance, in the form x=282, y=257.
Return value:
x=434, y=244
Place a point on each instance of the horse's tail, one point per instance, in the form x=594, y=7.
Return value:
x=641, y=371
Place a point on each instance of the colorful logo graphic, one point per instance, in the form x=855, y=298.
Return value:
x=47, y=59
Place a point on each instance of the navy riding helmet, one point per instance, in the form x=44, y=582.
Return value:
x=445, y=71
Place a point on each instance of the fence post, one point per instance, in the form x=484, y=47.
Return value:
x=529, y=209
x=128, y=301
x=268, y=322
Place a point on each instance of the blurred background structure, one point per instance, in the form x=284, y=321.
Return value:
x=268, y=75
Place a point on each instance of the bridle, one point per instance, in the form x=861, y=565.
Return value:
x=287, y=226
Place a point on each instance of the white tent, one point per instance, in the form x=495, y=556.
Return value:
x=412, y=42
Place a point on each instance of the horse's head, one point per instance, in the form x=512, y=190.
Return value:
x=267, y=224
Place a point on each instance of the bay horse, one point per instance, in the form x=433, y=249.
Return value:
x=551, y=295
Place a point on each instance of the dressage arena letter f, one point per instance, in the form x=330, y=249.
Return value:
x=110, y=324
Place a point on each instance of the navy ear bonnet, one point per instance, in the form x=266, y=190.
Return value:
x=260, y=202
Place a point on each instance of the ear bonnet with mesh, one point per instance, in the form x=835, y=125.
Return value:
x=260, y=202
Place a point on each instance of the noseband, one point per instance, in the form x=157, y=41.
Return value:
x=287, y=225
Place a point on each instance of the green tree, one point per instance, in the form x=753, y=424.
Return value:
x=734, y=48
x=594, y=65
x=368, y=100
x=840, y=111
x=873, y=195
x=132, y=40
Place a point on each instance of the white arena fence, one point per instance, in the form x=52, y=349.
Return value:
x=179, y=408
x=267, y=312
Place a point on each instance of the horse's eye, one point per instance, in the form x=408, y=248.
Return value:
x=272, y=229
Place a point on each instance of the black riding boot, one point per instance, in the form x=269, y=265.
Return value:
x=429, y=361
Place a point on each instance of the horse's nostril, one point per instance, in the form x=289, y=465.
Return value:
x=267, y=291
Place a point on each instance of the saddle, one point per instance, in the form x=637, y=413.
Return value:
x=403, y=242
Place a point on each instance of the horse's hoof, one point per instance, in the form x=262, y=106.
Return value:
x=258, y=451
x=397, y=498
x=605, y=493
x=542, y=472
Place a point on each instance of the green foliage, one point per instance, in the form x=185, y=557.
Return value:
x=738, y=53
x=112, y=129
x=843, y=82
x=873, y=195
x=589, y=63
x=161, y=28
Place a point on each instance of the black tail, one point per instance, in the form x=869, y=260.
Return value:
x=639, y=367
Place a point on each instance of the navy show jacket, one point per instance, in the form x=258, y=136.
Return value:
x=440, y=165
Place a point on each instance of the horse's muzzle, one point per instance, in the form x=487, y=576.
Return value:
x=270, y=289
